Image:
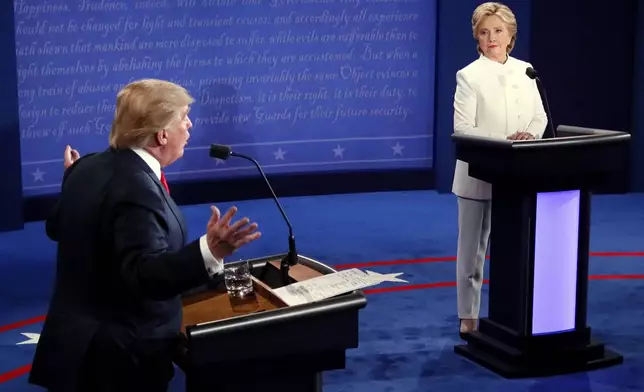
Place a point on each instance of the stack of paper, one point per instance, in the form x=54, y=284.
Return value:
x=327, y=286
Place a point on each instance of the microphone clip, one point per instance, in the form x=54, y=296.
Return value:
x=289, y=260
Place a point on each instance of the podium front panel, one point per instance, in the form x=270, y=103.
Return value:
x=556, y=247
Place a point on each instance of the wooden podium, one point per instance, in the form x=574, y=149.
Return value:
x=262, y=344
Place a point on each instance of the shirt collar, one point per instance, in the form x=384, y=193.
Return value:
x=496, y=64
x=150, y=160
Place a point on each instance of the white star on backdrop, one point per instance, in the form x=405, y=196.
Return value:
x=338, y=152
x=38, y=175
x=33, y=338
x=397, y=149
x=279, y=154
x=219, y=161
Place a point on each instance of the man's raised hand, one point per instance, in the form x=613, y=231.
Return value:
x=223, y=237
x=70, y=156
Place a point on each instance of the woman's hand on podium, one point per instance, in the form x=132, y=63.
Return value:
x=521, y=136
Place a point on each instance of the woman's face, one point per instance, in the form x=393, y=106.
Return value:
x=494, y=38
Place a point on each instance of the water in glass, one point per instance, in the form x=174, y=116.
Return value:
x=238, y=279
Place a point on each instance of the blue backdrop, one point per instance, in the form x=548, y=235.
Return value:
x=585, y=88
x=301, y=85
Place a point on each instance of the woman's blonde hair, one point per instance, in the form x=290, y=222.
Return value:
x=503, y=12
x=145, y=107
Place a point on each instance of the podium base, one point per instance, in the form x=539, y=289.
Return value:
x=289, y=373
x=510, y=362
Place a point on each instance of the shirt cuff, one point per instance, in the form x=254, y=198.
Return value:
x=213, y=265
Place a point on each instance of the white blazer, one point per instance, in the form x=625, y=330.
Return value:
x=493, y=100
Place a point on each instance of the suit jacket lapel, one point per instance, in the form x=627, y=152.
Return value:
x=173, y=206
x=176, y=211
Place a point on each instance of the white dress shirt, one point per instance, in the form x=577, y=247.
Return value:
x=494, y=100
x=213, y=265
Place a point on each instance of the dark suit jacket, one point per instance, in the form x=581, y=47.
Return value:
x=122, y=264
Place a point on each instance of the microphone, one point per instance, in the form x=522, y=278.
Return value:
x=532, y=74
x=223, y=152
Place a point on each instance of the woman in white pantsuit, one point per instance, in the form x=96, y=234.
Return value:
x=494, y=98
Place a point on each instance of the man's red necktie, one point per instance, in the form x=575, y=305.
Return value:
x=165, y=182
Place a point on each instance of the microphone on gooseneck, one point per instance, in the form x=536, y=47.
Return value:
x=220, y=151
x=532, y=74
x=223, y=152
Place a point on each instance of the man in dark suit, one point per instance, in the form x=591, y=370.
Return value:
x=122, y=260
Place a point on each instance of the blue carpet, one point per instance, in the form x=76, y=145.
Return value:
x=406, y=337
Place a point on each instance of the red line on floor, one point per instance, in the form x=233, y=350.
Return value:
x=396, y=262
x=408, y=287
x=617, y=254
x=453, y=258
x=10, y=375
x=9, y=327
x=616, y=277
x=25, y=369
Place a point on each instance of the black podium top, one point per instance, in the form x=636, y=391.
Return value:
x=577, y=158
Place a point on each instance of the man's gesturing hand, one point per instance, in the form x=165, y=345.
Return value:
x=70, y=156
x=224, y=238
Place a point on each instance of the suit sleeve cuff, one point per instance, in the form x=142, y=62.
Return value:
x=213, y=265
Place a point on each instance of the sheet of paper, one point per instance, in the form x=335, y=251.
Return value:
x=330, y=285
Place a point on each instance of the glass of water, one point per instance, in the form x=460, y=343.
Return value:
x=238, y=279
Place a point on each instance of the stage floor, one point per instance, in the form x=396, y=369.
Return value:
x=408, y=330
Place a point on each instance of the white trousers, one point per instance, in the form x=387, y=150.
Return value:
x=474, y=221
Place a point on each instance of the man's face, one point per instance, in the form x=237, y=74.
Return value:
x=175, y=137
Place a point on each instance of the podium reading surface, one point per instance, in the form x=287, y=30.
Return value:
x=539, y=249
x=260, y=343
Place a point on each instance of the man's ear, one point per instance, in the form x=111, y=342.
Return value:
x=161, y=137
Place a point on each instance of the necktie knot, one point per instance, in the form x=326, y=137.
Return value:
x=165, y=182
